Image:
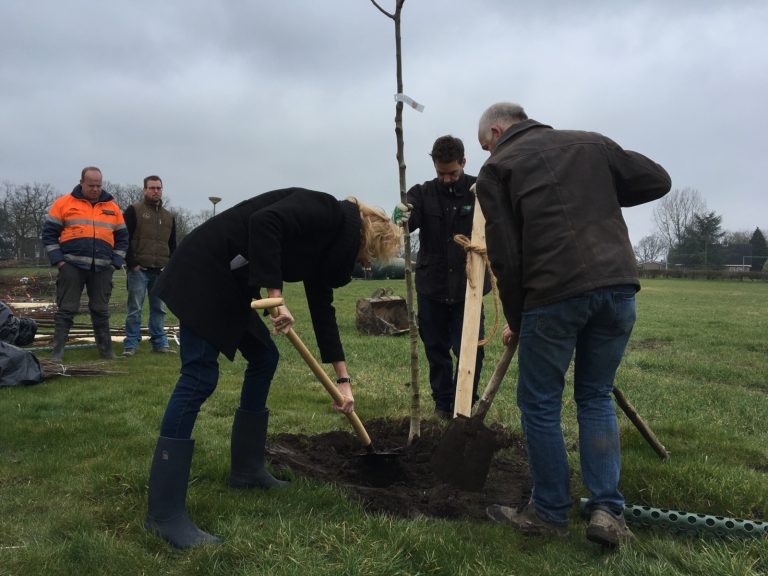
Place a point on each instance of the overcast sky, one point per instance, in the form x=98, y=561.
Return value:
x=234, y=98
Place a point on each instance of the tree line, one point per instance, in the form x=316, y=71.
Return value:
x=687, y=234
x=23, y=208
x=691, y=236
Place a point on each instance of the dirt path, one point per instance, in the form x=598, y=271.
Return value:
x=406, y=485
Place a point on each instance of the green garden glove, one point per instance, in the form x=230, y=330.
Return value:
x=402, y=213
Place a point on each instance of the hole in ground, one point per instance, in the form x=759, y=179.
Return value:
x=404, y=484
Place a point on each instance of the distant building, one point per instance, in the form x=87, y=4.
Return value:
x=652, y=266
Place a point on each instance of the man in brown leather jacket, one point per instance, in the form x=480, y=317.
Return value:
x=567, y=279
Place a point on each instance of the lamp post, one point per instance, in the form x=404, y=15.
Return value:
x=214, y=200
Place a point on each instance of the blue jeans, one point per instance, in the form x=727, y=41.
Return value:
x=141, y=282
x=597, y=325
x=199, y=376
x=440, y=327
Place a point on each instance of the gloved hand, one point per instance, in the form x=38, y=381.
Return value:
x=402, y=213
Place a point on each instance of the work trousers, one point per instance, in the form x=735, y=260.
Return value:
x=69, y=287
x=440, y=328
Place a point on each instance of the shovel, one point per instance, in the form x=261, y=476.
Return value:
x=640, y=424
x=371, y=455
x=464, y=454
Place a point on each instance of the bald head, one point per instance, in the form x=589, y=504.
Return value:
x=495, y=120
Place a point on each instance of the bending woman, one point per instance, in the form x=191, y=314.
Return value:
x=289, y=235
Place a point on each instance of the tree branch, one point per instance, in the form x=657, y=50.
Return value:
x=382, y=10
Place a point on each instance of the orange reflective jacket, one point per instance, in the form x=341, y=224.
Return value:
x=85, y=234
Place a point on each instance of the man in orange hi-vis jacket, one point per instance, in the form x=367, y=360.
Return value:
x=86, y=239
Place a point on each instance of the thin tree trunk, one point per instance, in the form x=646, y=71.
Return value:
x=415, y=423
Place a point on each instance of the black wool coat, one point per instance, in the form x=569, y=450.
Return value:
x=289, y=235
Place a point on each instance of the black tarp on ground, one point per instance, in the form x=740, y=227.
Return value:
x=18, y=367
x=15, y=330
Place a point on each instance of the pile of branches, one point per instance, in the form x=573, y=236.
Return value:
x=52, y=369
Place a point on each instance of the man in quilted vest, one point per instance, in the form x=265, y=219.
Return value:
x=152, y=233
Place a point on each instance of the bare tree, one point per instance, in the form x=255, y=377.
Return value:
x=25, y=208
x=124, y=194
x=650, y=249
x=415, y=422
x=737, y=237
x=675, y=212
x=7, y=246
x=186, y=221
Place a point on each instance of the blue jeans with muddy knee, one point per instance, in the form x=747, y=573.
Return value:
x=596, y=325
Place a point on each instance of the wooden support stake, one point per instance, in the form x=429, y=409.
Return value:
x=473, y=306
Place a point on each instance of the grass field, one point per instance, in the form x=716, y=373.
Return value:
x=75, y=453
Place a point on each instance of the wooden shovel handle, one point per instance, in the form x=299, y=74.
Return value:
x=496, y=378
x=640, y=424
x=271, y=304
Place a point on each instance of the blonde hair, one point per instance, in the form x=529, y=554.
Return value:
x=379, y=236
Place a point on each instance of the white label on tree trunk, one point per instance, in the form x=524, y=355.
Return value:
x=410, y=101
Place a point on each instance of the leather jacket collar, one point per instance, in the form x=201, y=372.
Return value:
x=517, y=129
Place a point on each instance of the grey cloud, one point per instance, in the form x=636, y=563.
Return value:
x=240, y=97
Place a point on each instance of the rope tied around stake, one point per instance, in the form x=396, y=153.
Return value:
x=481, y=251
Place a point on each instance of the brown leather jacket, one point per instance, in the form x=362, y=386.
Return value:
x=552, y=201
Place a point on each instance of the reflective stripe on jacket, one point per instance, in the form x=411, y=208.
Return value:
x=85, y=234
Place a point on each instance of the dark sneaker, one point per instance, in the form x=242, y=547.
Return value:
x=608, y=530
x=163, y=350
x=526, y=520
x=441, y=414
x=129, y=352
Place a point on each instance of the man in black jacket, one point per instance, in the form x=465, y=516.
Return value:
x=440, y=209
x=567, y=279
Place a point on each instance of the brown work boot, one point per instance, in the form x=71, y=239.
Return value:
x=608, y=530
x=526, y=520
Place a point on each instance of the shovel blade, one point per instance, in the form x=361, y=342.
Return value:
x=381, y=469
x=464, y=454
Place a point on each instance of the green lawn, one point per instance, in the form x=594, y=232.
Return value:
x=75, y=453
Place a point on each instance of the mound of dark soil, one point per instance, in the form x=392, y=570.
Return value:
x=403, y=484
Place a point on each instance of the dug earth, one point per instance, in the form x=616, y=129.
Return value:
x=404, y=485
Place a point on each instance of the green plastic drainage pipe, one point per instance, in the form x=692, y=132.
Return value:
x=691, y=523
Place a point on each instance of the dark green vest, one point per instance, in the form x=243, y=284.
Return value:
x=149, y=242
